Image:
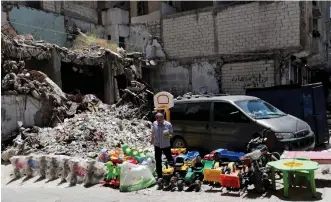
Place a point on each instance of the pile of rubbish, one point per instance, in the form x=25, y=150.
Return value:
x=119, y=168
x=80, y=124
x=83, y=135
x=16, y=79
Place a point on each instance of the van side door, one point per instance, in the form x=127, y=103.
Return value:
x=228, y=127
x=193, y=124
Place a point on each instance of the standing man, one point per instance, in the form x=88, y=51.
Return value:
x=160, y=138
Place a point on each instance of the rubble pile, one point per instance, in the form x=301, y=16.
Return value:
x=81, y=125
x=83, y=135
x=16, y=79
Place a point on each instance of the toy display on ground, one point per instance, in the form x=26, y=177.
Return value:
x=126, y=168
x=130, y=170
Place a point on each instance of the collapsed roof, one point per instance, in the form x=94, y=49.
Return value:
x=26, y=48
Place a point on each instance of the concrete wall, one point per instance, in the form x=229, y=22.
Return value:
x=189, y=35
x=154, y=12
x=116, y=23
x=6, y=27
x=41, y=25
x=22, y=108
x=236, y=77
x=209, y=76
x=256, y=26
x=115, y=16
x=140, y=34
x=57, y=25
x=152, y=7
x=181, y=77
x=83, y=10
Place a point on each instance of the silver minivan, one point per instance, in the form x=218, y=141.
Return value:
x=212, y=122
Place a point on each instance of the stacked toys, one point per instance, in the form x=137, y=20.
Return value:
x=193, y=177
x=175, y=176
x=223, y=168
x=115, y=160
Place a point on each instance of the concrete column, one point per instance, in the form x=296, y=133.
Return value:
x=109, y=89
x=55, y=68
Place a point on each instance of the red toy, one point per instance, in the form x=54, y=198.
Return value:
x=131, y=160
x=210, y=157
x=111, y=183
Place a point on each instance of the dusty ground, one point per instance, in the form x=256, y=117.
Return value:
x=32, y=190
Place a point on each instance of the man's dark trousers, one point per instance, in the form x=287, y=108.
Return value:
x=158, y=158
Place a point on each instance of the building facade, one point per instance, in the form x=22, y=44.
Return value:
x=230, y=46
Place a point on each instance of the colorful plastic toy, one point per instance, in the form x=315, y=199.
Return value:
x=138, y=155
x=193, y=177
x=112, y=175
x=170, y=175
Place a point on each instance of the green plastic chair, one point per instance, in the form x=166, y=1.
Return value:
x=303, y=175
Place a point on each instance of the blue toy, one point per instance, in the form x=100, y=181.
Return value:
x=230, y=155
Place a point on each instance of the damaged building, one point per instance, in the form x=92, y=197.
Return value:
x=226, y=47
x=108, y=75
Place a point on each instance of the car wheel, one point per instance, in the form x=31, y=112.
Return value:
x=179, y=143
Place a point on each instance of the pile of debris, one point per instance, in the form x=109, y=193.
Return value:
x=100, y=126
x=16, y=79
x=83, y=135
x=25, y=47
x=81, y=124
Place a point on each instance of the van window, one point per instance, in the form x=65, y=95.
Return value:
x=177, y=112
x=226, y=112
x=197, y=111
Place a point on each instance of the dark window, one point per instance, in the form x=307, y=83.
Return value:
x=197, y=111
x=177, y=112
x=142, y=8
x=121, y=43
x=226, y=112
x=109, y=37
x=171, y=3
x=34, y=4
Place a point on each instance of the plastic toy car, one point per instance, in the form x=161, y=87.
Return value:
x=167, y=173
x=170, y=175
x=177, y=151
x=193, y=177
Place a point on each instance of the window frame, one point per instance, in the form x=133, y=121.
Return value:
x=185, y=108
x=245, y=120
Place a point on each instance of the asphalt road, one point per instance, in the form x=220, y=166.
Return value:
x=23, y=190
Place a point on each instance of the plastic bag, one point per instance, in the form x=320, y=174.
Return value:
x=72, y=176
x=150, y=163
x=94, y=173
x=52, y=167
x=135, y=177
x=32, y=166
x=19, y=165
x=79, y=170
x=64, y=167
x=41, y=159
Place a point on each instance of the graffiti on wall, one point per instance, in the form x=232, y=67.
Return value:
x=251, y=80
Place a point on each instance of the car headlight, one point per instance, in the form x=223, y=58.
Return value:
x=284, y=135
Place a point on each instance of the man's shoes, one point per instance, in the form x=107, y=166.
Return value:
x=159, y=184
